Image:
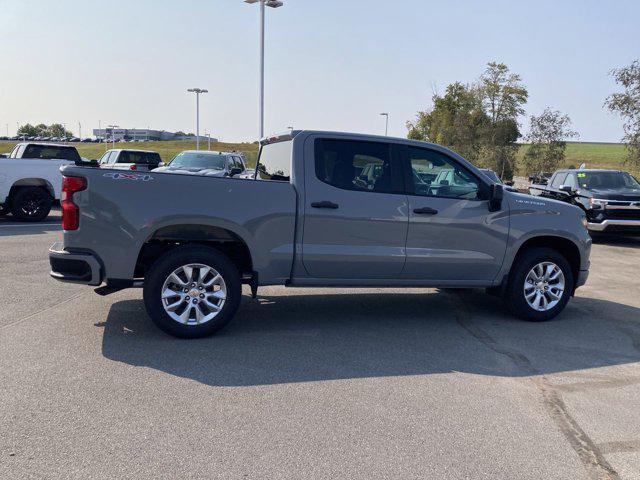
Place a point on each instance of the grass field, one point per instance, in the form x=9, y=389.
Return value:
x=167, y=150
x=595, y=155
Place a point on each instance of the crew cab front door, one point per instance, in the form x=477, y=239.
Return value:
x=355, y=210
x=452, y=234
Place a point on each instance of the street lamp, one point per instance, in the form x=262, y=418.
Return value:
x=113, y=135
x=386, y=123
x=197, y=91
x=272, y=4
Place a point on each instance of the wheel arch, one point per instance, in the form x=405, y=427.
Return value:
x=32, y=182
x=169, y=237
x=566, y=247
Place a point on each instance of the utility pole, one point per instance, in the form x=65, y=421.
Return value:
x=79, y=130
x=113, y=136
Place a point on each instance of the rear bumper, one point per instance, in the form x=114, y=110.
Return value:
x=618, y=225
x=74, y=267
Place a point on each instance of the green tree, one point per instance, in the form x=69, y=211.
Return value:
x=479, y=122
x=42, y=130
x=547, y=134
x=58, y=130
x=456, y=120
x=627, y=105
x=28, y=130
x=503, y=97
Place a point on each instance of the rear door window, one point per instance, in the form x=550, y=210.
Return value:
x=357, y=165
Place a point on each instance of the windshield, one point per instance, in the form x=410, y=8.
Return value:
x=214, y=161
x=607, y=180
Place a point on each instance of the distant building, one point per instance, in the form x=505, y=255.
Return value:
x=143, y=134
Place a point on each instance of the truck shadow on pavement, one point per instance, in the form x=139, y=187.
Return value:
x=285, y=338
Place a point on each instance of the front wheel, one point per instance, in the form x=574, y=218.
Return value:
x=31, y=204
x=192, y=291
x=540, y=285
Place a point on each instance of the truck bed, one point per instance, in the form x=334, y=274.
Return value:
x=121, y=211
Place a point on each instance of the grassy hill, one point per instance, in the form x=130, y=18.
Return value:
x=595, y=155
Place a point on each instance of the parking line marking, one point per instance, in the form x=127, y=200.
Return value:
x=30, y=225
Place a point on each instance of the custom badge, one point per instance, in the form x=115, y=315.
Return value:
x=128, y=176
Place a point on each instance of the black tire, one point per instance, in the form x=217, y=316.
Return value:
x=31, y=204
x=174, y=259
x=515, y=296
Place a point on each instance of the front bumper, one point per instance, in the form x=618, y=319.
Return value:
x=582, y=278
x=74, y=267
x=618, y=225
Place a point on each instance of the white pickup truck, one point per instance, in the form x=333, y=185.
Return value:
x=30, y=179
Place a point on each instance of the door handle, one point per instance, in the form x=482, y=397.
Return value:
x=324, y=204
x=425, y=211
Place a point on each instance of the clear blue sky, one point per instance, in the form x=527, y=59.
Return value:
x=331, y=64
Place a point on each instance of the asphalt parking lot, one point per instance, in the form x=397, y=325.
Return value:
x=318, y=383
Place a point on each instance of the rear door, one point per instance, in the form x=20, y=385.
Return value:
x=355, y=210
x=452, y=235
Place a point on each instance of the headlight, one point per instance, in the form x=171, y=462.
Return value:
x=597, y=203
x=585, y=222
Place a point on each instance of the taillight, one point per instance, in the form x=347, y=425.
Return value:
x=70, y=211
x=133, y=167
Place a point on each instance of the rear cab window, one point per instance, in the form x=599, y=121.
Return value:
x=51, y=152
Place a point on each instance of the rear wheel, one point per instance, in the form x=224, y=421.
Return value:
x=540, y=285
x=31, y=204
x=192, y=291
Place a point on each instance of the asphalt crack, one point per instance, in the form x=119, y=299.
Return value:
x=31, y=315
x=590, y=455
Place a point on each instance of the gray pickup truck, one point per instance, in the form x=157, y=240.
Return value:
x=323, y=209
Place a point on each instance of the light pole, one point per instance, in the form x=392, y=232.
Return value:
x=272, y=4
x=386, y=123
x=113, y=136
x=197, y=91
x=79, y=130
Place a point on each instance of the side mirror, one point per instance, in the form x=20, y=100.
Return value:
x=160, y=164
x=509, y=183
x=235, y=171
x=568, y=189
x=495, y=197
